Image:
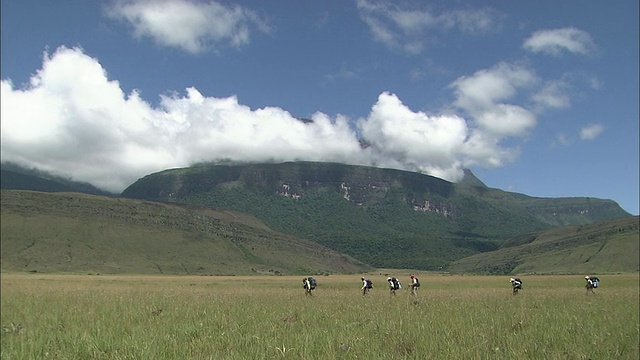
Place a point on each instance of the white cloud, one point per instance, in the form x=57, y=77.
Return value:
x=476, y=21
x=426, y=143
x=561, y=139
x=441, y=145
x=553, y=42
x=484, y=149
x=407, y=29
x=192, y=26
x=87, y=127
x=488, y=86
x=553, y=95
x=71, y=120
x=591, y=132
x=506, y=120
x=343, y=73
x=482, y=96
x=594, y=83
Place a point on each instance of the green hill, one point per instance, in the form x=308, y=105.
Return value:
x=383, y=217
x=604, y=247
x=80, y=233
x=15, y=177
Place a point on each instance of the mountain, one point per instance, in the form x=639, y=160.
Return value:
x=603, y=247
x=81, y=233
x=383, y=217
x=16, y=177
x=470, y=179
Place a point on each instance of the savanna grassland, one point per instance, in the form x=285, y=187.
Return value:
x=269, y=317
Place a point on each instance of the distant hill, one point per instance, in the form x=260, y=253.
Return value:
x=603, y=247
x=15, y=177
x=383, y=217
x=80, y=233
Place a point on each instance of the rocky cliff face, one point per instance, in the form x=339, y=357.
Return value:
x=362, y=186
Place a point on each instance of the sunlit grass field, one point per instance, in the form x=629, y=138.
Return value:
x=269, y=317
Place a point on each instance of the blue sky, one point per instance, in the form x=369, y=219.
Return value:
x=537, y=97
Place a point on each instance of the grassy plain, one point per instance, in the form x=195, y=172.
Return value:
x=269, y=317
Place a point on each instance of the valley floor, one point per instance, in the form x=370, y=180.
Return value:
x=269, y=317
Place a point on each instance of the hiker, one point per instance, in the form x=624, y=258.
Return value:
x=592, y=283
x=415, y=284
x=309, y=284
x=366, y=285
x=516, y=284
x=394, y=284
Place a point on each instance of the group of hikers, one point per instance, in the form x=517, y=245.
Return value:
x=592, y=283
x=310, y=283
x=394, y=285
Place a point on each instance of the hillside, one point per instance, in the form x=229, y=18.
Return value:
x=604, y=247
x=15, y=177
x=384, y=217
x=80, y=233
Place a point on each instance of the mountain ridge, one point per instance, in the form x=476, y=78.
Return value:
x=384, y=217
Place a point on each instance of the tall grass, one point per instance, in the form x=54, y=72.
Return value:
x=453, y=317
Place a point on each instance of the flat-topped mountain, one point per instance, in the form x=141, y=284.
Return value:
x=384, y=217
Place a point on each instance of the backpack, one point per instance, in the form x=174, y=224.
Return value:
x=396, y=284
x=417, y=283
x=369, y=284
x=312, y=283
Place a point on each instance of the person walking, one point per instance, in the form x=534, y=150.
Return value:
x=366, y=285
x=415, y=284
x=516, y=284
x=592, y=283
x=394, y=284
x=309, y=285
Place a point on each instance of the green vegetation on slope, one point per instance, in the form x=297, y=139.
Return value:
x=15, y=177
x=384, y=217
x=605, y=247
x=70, y=232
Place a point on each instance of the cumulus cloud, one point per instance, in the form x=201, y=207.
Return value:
x=554, y=42
x=72, y=120
x=192, y=26
x=406, y=29
x=430, y=144
x=483, y=95
x=591, y=132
